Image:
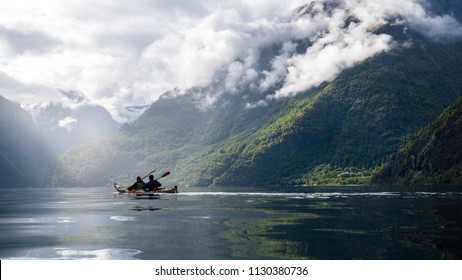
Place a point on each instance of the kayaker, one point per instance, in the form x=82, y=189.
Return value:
x=137, y=185
x=152, y=185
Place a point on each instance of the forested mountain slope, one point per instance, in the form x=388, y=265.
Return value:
x=357, y=121
x=434, y=157
x=338, y=131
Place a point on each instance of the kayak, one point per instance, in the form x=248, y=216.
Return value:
x=123, y=189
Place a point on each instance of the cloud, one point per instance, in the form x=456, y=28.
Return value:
x=23, y=92
x=68, y=123
x=15, y=41
x=340, y=45
x=119, y=54
x=439, y=28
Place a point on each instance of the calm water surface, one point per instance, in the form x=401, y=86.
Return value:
x=296, y=223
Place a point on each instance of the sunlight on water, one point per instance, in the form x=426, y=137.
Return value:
x=123, y=218
x=81, y=254
x=38, y=220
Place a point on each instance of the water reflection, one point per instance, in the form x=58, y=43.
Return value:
x=408, y=226
x=328, y=223
x=147, y=196
x=148, y=208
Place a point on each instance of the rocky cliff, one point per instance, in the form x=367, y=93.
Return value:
x=434, y=157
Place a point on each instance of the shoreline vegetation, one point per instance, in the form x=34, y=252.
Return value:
x=328, y=175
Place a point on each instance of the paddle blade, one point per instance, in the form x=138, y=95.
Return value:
x=164, y=175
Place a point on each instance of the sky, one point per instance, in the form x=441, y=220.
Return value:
x=122, y=53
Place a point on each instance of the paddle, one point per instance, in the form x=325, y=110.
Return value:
x=148, y=174
x=163, y=175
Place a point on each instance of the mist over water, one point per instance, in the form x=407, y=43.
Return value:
x=301, y=223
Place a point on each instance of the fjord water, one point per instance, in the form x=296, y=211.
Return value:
x=294, y=223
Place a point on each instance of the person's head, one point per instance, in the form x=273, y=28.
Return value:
x=138, y=179
x=151, y=177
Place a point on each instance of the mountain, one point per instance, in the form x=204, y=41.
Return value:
x=339, y=131
x=24, y=155
x=355, y=123
x=434, y=157
x=65, y=126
